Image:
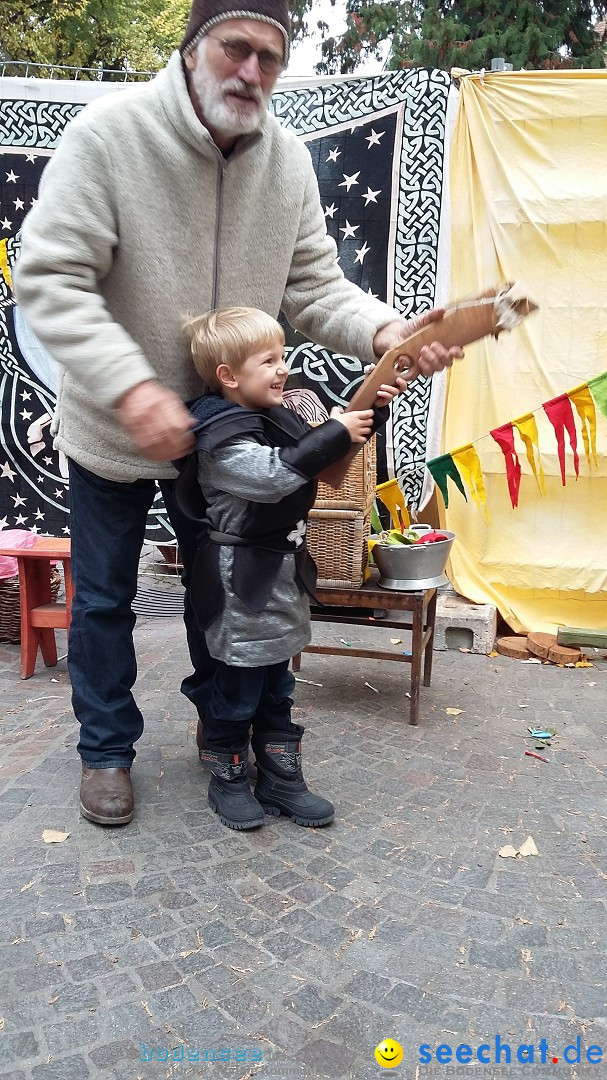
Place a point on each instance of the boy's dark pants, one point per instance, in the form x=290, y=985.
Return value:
x=240, y=698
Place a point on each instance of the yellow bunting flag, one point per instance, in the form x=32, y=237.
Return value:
x=393, y=499
x=584, y=403
x=4, y=266
x=527, y=429
x=469, y=466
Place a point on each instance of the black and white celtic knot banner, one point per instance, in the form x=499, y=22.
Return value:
x=378, y=146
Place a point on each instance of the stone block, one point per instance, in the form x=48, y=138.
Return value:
x=461, y=624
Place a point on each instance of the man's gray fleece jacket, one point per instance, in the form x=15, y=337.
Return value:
x=140, y=222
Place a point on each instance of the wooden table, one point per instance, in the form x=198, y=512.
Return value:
x=371, y=597
x=39, y=615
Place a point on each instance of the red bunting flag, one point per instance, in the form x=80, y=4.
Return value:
x=560, y=415
x=504, y=437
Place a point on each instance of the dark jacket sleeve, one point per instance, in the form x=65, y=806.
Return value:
x=317, y=449
x=380, y=417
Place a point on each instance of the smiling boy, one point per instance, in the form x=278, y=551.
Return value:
x=256, y=466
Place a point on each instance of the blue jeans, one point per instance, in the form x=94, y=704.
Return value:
x=241, y=697
x=107, y=525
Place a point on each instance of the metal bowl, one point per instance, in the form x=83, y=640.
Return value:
x=409, y=567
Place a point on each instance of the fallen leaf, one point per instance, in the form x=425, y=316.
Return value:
x=584, y=663
x=528, y=848
x=453, y=712
x=53, y=836
x=494, y=653
x=533, y=660
x=468, y=650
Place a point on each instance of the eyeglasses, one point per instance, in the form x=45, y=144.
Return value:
x=239, y=50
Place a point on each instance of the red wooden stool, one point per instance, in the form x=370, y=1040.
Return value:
x=39, y=615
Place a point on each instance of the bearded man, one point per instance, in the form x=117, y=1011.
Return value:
x=178, y=196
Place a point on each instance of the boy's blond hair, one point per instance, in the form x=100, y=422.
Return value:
x=229, y=336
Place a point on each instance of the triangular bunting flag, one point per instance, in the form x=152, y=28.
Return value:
x=560, y=415
x=466, y=460
x=598, y=389
x=527, y=429
x=582, y=399
x=4, y=264
x=504, y=437
x=441, y=468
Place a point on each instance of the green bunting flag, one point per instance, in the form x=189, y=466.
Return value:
x=443, y=467
x=598, y=389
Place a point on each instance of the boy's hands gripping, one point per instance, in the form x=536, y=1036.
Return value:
x=359, y=424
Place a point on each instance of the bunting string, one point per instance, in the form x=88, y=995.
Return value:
x=462, y=466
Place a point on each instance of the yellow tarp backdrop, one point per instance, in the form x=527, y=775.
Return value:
x=529, y=204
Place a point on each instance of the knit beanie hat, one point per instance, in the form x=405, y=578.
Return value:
x=208, y=13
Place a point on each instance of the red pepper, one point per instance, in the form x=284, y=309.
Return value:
x=430, y=537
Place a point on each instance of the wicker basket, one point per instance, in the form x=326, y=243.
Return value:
x=357, y=489
x=337, y=541
x=10, y=606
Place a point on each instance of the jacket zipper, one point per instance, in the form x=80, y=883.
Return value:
x=222, y=168
x=223, y=164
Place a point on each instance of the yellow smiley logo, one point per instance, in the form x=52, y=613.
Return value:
x=388, y=1053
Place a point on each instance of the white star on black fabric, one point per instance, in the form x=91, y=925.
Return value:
x=373, y=138
x=349, y=230
x=349, y=181
x=371, y=196
x=361, y=252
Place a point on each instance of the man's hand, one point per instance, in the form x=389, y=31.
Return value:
x=157, y=421
x=432, y=358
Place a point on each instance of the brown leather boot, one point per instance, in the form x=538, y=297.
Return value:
x=106, y=796
x=202, y=745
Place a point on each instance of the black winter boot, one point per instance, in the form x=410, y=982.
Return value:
x=281, y=787
x=229, y=792
x=201, y=743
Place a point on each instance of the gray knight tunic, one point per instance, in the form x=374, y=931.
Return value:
x=231, y=478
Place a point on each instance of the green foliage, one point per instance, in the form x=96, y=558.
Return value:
x=469, y=33
x=118, y=36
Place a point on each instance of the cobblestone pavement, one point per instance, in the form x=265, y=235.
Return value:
x=303, y=949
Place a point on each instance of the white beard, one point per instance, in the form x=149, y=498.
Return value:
x=224, y=115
